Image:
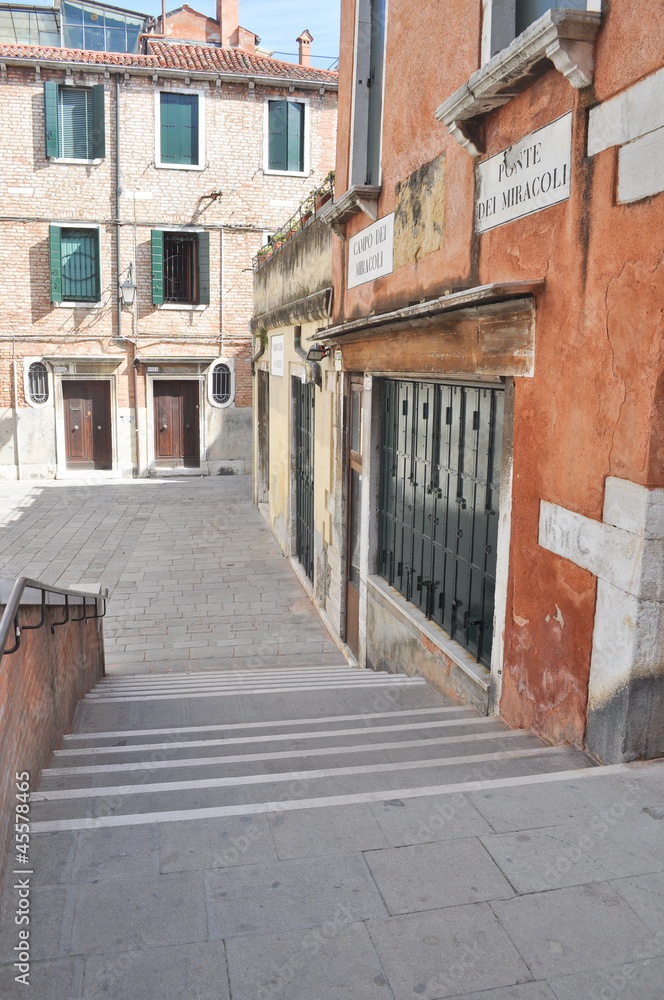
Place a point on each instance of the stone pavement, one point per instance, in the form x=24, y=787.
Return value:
x=195, y=576
x=268, y=823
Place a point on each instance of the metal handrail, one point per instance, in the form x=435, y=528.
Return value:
x=9, y=624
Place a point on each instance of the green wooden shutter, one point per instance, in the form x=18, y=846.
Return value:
x=203, y=269
x=98, y=129
x=157, y=267
x=179, y=128
x=51, y=118
x=55, y=256
x=277, y=138
x=295, y=136
x=189, y=128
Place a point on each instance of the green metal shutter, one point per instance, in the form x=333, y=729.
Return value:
x=55, y=256
x=203, y=269
x=98, y=129
x=277, y=137
x=295, y=131
x=79, y=255
x=157, y=267
x=179, y=128
x=51, y=118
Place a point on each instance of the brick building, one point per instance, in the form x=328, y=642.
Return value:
x=160, y=171
x=496, y=363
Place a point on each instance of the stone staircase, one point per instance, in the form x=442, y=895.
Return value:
x=184, y=747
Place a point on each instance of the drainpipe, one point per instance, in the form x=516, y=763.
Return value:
x=313, y=368
x=118, y=192
x=16, y=448
x=259, y=353
x=149, y=34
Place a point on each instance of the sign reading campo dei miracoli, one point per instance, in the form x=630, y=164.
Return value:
x=530, y=175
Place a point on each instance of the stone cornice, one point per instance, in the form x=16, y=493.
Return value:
x=358, y=198
x=564, y=38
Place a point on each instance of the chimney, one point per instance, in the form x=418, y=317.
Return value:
x=229, y=19
x=305, y=41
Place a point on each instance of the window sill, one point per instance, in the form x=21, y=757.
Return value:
x=285, y=173
x=67, y=159
x=181, y=307
x=179, y=166
x=564, y=38
x=77, y=305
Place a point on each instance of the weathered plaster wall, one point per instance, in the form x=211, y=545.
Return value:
x=301, y=267
x=595, y=405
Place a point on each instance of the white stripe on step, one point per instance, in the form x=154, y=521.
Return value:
x=241, y=780
x=258, y=808
x=127, y=680
x=480, y=720
x=411, y=682
x=445, y=709
x=152, y=765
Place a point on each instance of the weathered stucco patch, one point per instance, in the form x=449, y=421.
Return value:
x=419, y=214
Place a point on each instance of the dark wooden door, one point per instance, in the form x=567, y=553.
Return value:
x=354, y=518
x=87, y=407
x=176, y=424
x=304, y=474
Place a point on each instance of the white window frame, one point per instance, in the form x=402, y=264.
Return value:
x=230, y=363
x=181, y=306
x=201, y=129
x=72, y=224
x=266, y=136
x=27, y=363
x=487, y=23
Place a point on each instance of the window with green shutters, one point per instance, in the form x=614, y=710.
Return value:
x=74, y=122
x=74, y=261
x=180, y=268
x=178, y=129
x=286, y=137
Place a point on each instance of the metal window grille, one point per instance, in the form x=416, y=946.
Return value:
x=80, y=265
x=75, y=124
x=221, y=384
x=38, y=382
x=180, y=268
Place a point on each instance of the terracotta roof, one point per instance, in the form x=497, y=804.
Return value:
x=182, y=56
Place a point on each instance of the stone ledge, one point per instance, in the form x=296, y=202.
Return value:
x=358, y=198
x=564, y=38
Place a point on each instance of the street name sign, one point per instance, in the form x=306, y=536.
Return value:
x=371, y=252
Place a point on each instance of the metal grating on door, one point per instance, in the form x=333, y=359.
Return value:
x=439, y=503
x=304, y=474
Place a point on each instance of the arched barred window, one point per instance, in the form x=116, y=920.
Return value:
x=221, y=384
x=38, y=382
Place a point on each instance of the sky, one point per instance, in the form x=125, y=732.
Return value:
x=278, y=22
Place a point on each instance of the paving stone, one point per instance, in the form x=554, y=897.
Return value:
x=53, y=980
x=51, y=857
x=48, y=916
x=444, y=953
x=631, y=981
x=163, y=910
x=428, y=819
x=529, y=991
x=287, y=895
x=430, y=876
x=116, y=853
x=217, y=843
x=646, y=897
x=315, y=832
x=186, y=972
x=575, y=930
x=555, y=857
x=330, y=962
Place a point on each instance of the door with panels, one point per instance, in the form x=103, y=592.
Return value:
x=440, y=490
x=87, y=409
x=176, y=423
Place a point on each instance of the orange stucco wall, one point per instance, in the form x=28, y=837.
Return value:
x=595, y=404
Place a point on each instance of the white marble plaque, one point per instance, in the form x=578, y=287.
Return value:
x=532, y=174
x=371, y=252
x=277, y=355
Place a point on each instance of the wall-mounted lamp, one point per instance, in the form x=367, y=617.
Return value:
x=128, y=288
x=317, y=352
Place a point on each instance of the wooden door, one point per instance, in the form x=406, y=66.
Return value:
x=87, y=406
x=304, y=474
x=354, y=518
x=176, y=424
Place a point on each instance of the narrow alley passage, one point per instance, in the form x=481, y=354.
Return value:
x=262, y=821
